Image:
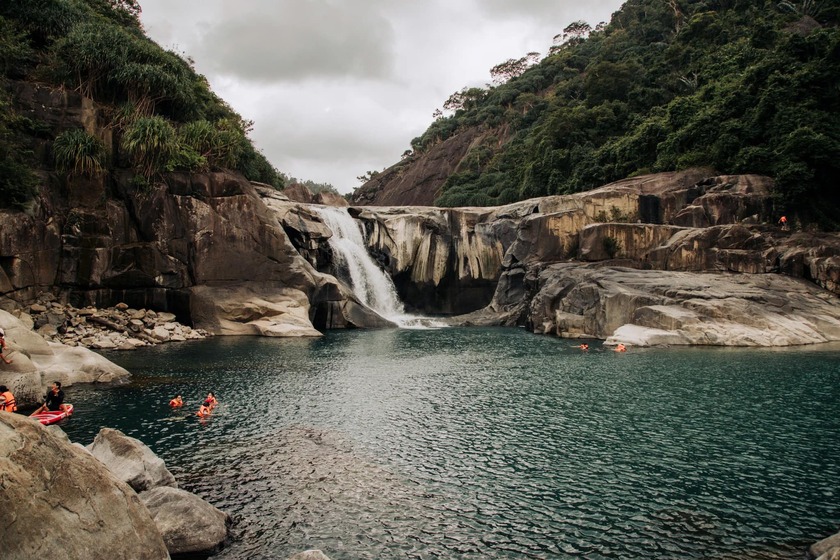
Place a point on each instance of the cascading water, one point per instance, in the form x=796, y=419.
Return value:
x=370, y=284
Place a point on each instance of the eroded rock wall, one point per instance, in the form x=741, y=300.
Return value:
x=659, y=225
x=105, y=240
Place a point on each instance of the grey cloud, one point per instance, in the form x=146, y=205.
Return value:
x=291, y=40
x=551, y=9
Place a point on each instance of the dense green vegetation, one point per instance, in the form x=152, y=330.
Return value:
x=312, y=186
x=162, y=111
x=741, y=86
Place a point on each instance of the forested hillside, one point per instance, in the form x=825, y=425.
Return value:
x=162, y=113
x=741, y=86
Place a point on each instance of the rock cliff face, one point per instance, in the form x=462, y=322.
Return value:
x=206, y=247
x=442, y=261
x=233, y=257
x=417, y=181
x=528, y=262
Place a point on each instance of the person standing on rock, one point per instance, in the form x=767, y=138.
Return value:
x=53, y=401
x=7, y=400
x=3, y=346
x=783, y=223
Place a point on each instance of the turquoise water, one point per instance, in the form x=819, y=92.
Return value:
x=490, y=443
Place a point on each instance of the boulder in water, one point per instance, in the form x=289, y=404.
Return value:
x=309, y=555
x=59, y=502
x=131, y=460
x=188, y=523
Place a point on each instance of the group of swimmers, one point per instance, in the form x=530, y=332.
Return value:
x=204, y=410
x=619, y=348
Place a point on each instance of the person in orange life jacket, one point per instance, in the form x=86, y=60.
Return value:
x=53, y=401
x=7, y=400
x=3, y=346
x=203, y=410
x=211, y=401
x=177, y=401
x=783, y=222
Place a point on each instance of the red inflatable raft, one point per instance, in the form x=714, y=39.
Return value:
x=51, y=417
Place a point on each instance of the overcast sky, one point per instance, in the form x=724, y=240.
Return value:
x=337, y=88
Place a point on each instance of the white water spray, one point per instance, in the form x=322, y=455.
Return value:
x=370, y=284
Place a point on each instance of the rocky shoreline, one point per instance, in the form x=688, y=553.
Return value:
x=121, y=499
x=114, y=328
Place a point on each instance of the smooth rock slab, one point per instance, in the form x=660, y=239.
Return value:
x=188, y=523
x=131, y=460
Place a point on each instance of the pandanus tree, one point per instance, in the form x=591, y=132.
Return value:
x=151, y=143
x=78, y=153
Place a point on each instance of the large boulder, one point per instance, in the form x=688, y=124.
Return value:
x=827, y=548
x=60, y=502
x=252, y=309
x=645, y=307
x=130, y=460
x=36, y=363
x=187, y=523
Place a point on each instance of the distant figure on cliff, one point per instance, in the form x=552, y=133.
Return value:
x=783, y=222
x=3, y=346
x=7, y=400
x=53, y=401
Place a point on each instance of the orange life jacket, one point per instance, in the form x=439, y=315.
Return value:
x=203, y=411
x=176, y=402
x=10, y=405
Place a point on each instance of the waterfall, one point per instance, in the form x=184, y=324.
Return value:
x=370, y=283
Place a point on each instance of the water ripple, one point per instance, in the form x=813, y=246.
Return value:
x=492, y=444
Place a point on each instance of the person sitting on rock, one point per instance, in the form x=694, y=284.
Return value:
x=53, y=401
x=177, y=401
x=3, y=346
x=7, y=400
